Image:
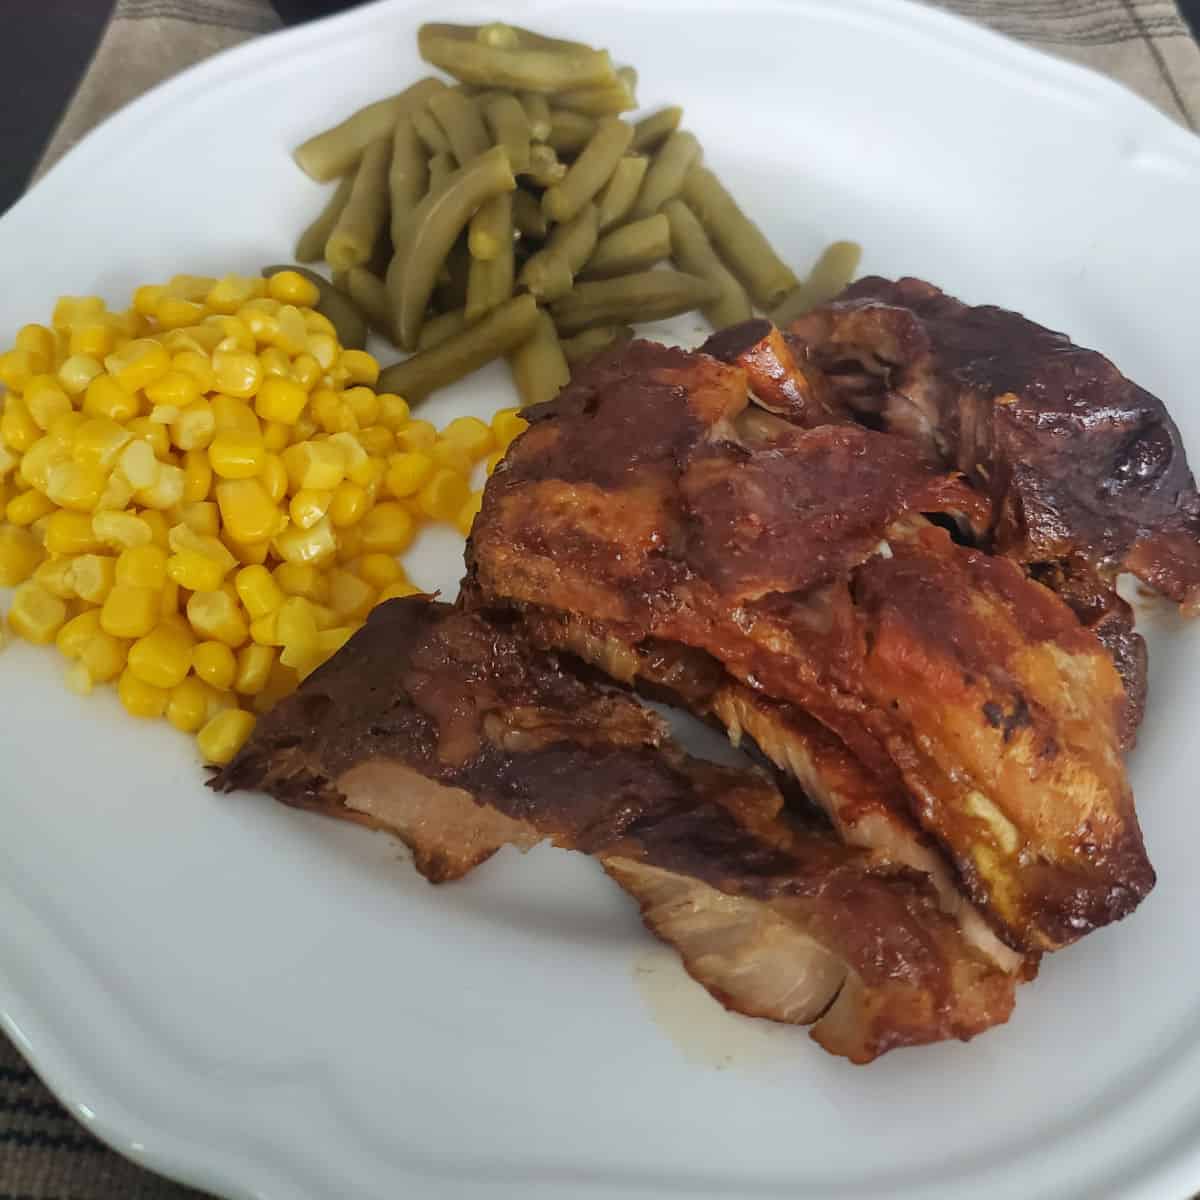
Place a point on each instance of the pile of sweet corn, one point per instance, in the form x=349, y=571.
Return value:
x=204, y=496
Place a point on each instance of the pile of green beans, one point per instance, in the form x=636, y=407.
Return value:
x=514, y=212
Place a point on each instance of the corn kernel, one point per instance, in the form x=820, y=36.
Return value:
x=407, y=473
x=138, y=464
x=415, y=435
x=236, y=455
x=195, y=571
x=281, y=682
x=105, y=397
x=168, y=605
x=326, y=408
x=290, y=333
x=138, y=364
x=363, y=402
x=304, y=429
x=468, y=513
x=214, y=663
x=57, y=575
x=393, y=410
x=290, y=287
x=120, y=529
x=222, y=737
x=316, y=322
x=36, y=613
x=159, y=529
x=147, y=298
x=46, y=400
x=166, y=491
x=183, y=537
x=38, y=340
x=176, y=388
x=258, y=591
x=301, y=579
x=93, y=338
x=215, y=615
x=8, y=461
x=188, y=704
x=314, y=465
x=17, y=427
x=70, y=309
x=229, y=294
x=317, y=545
x=232, y=334
x=247, y=511
x=306, y=371
x=72, y=639
x=308, y=506
x=67, y=533
x=280, y=399
x=330, y=641
x=350, y=543
x=276, y=436
x=264, y=630
x=201, y=516
x=93, y=577
x=129, y=611
x=350, y=597
x=397, y=591
x=75, y=486
x=143, y=566
x=234, y=415
x=77, y=372
x=197, y=364
x=362, y=367
x=98, y=442
x=323, y=347
x=153, y=433
x=275, y=364
x=254, y=663
x=349, y=505
x=451, y=456
x=197, y=476
x=475, y=437
x=17, y=367
x=117, y=494
x=27, y=507
x=163, y=657
x=295, y=623
x=358, y=462
x=238, y=373
x=379, y=569
x=444, y=495
x=140, y=699
x=275, y=478
x=104, y=657
x=387, y=528
x=377, y=440
x=190, y=287
x=176, y=313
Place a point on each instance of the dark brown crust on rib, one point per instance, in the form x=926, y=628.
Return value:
x=1078, y=460
x=473, y=708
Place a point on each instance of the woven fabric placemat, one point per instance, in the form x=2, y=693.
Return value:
x=44, y=1153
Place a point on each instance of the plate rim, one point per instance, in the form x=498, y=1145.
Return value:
x=157, y=1145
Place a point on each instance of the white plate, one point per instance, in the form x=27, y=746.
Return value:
x=266, y=1004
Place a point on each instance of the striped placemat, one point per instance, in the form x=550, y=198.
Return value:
x=44, y=1154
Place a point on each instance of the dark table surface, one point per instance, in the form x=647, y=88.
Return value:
x=46, y=45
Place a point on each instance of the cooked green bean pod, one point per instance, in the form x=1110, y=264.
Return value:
x=621, y=190
x=509, y=127
x=310, y=245
x=537, y=113
x=489, y=282
x=693, y=253
x=496, y=334
x=569, y=131
x=668, y=170
x=544, y=168
x=429, y=131
x=650, y=132
x=634, y=247
x=498, y=34
x=461, y=123
x=831, y=273
x=437, y=329
x=369, y=295
x=592, y=341
x=550, y=272
x=441, y=167
x=740, y=243
x=539, y=367
x=336, y=151
x=646, y=296
x=436, y=224
x=534, y=64
x=491, y=228
x=528, y=216
x=348, y=323
x=450, y=292
x=603, y=99
x=590, y=171
x=360, y=223
x=408, y=176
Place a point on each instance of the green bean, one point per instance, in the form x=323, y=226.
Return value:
x=336, y=151
x=668, y=170
x=498, y=332
x=534, y=64
x=408, y=176
x=509, y=127
x=436, y=224
x=491, y=228
x=539, y=368
x=437, y=329
x=634, y=247
x=358, y=226
x=569, y=131
x=451, y=289
x=621, y=190
x=461, y=123
x=498, y=34
x=592, y=341
x=351, y=329
x=740, y=243
x=836, y=267
x=651, y=131
x=646, y=296
x=544, y=168
x=369, y=295
x=441, y=167
x=489, y=283
x=550, y=272
x=429, y=131
x=694, y=254
x=310, y=245
x=382, y=254
x=590, y=171
x=600, y=100
x=537, y=113
x=528, y=216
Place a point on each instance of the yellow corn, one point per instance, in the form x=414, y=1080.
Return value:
x=188, y=704
x=232, y=414
x=408, y=472
x=27, y=507
x=258, y=591
x=280, y=399
x=301, y=579
x=107, y=397
x=153, y=433
x=247, y=511
x=215, y=615
x=72, y=639
x=143, y=566
x=377, y=440
x=195, y=361
x=165, y=492
x=468, y=513
x=140, y=699
x=98, y=442
x=169, y=599
x=379, y=569
x=290, y=287
x=330, y=641
x=17, y=367
x=77, y=372
x=159, y=529
x=472, y=434
x=37, y=339
x=197, y=475
x=120, y=530
x=195, y=571
x=317, y=545
x=129, y=611
x=93, y=577
x=104, y=657
x=254, y=663
x=350, y=543
x=308, y=506
x=201, y=516
x=36, y=613
x=163, y=657
x=66, y=533
x=76, y=486
x=176, y=388
x=275, y=477
x=350, y=597
x=18, y=429
x=250, y=553
x=194, y=427
x=349, y=505
x=393, y=410
x=415, y=435
x=306, y=371
x=214, y=663
x=452, y=456
x=229, y=294
x=46, y=400
x=138, y=364
x=236, y=455
x=387, y=528
x=57, y=575
x=443, y=497
x=223, y=736
x=363, y=402
x=314, y=465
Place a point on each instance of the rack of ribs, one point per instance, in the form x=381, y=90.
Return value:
x=654, y=502
x=455, y=733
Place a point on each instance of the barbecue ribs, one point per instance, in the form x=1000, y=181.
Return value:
x=649, y=502
x=453, y=732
